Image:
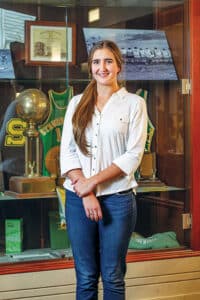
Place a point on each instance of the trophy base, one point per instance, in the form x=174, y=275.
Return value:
x=60, y=181
x=147, y=167
x=147, y=171
x=150, y=182
x=31, y=185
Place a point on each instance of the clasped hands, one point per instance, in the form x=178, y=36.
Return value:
x=84, y=188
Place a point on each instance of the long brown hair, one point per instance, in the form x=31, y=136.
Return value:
x=85, y=109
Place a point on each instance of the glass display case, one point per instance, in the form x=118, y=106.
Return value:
x=48, y=45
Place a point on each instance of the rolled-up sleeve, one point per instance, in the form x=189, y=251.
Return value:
x=130, y=160
x=68, y=152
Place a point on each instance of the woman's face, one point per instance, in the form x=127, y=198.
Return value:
x=104, y=67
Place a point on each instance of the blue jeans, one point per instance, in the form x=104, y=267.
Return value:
x=100, y=248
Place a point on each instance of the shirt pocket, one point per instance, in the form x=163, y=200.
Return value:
x=124, y=119
x=123, y=123
x=116, y=125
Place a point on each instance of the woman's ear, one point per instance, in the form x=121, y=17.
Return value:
x=119, y=70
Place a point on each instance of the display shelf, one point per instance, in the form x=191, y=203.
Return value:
x=7, y=197
x=76, y=81
x=49, y=80
x=37, y=255
x=164, y=188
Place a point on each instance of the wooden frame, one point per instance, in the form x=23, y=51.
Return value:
x=195, y=122
x=49, y=43
x=12, y=268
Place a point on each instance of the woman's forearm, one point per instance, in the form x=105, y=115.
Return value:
x=75, y=174
x=84, y=186
x=107, y=174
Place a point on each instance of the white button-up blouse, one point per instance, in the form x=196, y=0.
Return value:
x=116, y=135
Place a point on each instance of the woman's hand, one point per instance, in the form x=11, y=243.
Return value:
x=83, y=186
x=92, y=207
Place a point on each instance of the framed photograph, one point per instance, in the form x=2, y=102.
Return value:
x=146, y=53
x=50, y=43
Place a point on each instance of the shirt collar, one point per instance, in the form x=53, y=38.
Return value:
x=121, y=92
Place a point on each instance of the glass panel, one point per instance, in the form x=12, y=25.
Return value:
x=151, y=35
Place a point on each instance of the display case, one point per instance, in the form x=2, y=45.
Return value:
x=153, y=36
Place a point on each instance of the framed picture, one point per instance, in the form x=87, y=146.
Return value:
x=49, y=43
x=146, y=53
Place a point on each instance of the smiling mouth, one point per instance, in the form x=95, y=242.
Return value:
x=103, y=74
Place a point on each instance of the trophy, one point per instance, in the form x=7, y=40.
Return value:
x=33, y=107
x=146, y=173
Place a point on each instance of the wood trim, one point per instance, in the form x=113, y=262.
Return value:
x=195, y=121
x=167, y=17
x=150, y=255
x=133, y=256
x=36, y=266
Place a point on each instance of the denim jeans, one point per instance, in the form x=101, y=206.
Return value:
x=100, y=248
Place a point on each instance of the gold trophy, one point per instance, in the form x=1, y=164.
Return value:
x=147, y=169
x=146, y=173
x=33, y=107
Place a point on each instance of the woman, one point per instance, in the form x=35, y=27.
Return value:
x=103, y=140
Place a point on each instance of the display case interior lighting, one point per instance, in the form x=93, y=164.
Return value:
x=93, y=15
